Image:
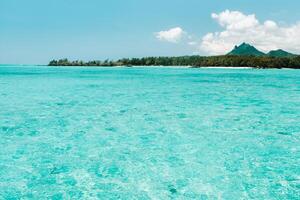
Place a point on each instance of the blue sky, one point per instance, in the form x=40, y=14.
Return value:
x=36, y=31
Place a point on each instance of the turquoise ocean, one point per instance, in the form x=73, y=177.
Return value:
x=149, y=133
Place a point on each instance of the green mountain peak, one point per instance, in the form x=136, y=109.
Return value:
x=246, y=50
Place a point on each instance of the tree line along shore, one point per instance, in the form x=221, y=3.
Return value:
x=193, y=61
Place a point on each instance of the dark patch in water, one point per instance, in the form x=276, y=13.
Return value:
x=181, y=115
x=60, y=104
x=69, y=103
x=283, y=133
x=150, y=119
x=274, y=86
x=205, y=81
x=104, y=115
x=172, y=189
x=237, y=119
x=5, y=128
x=33, y=133
x=59, y=170
x=112, y=129
x=123, y=111
x=8, y=129
x=93, y=86
x=58, y=196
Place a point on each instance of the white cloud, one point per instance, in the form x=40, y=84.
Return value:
x=238, y=28
x=173, y=35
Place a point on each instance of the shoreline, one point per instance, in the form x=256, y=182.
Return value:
x=178, y=67
x=146, y=66
x=175, y=67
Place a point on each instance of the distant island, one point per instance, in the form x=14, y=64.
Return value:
x=248, y=50
x=243, y=55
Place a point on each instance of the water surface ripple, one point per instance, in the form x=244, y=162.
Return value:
x=149, y=133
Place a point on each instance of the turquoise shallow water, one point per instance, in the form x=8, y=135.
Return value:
x=149, y=133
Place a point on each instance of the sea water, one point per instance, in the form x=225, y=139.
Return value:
x=149, y=133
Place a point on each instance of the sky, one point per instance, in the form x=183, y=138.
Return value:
x=37, y=31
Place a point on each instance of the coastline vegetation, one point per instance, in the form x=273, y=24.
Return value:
x=193, y=61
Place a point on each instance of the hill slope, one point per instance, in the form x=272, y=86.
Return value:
x=280, y=53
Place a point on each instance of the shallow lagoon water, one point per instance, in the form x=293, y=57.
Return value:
x=149, y=133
